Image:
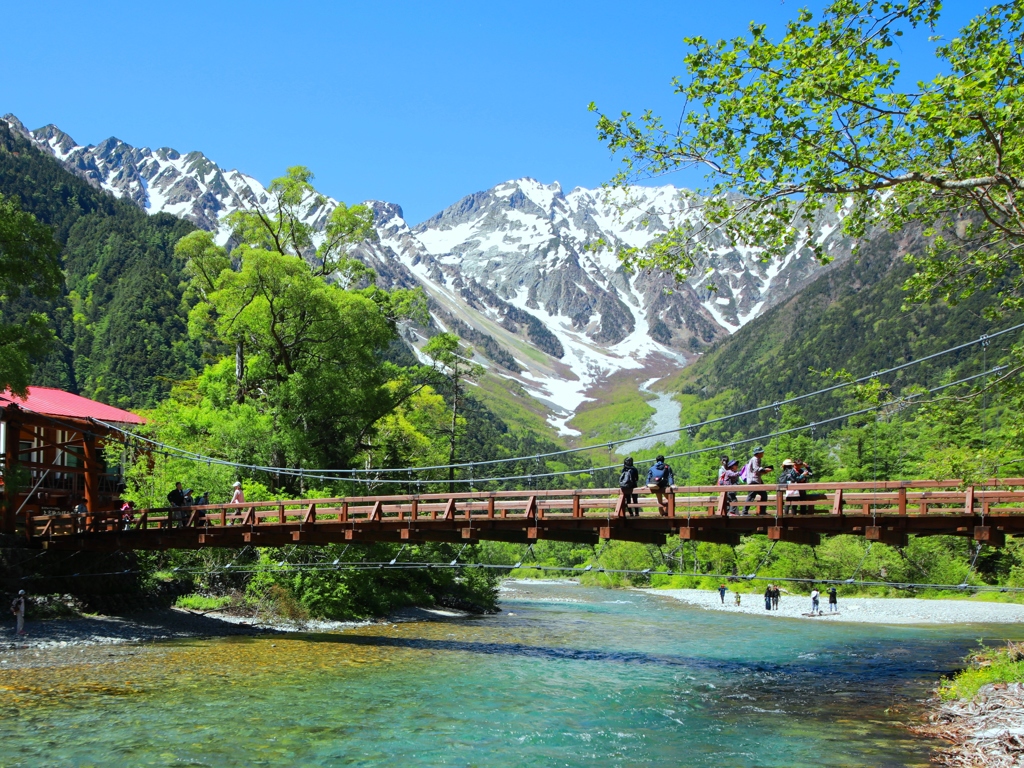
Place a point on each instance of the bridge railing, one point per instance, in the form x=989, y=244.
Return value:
x=904, y=497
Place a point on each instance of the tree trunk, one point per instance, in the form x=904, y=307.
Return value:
x=451, y=444
x=239, y=372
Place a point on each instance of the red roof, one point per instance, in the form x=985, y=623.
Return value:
x=57, y=402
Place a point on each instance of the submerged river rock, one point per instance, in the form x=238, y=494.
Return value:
x=565, y=676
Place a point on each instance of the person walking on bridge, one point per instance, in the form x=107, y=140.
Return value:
x=660, y=478
x=629, y=479
x=752, y=474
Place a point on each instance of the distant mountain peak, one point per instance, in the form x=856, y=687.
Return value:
x=514, y=268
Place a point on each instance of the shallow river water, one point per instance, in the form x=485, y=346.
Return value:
x=566, y=676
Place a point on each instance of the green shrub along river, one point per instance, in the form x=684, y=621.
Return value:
x=565, y=675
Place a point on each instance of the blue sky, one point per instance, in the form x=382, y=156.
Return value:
x=416, y=103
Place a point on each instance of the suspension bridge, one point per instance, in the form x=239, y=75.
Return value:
x=886, y=512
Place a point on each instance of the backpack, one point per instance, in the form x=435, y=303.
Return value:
x=659, y=475
x=626, y=479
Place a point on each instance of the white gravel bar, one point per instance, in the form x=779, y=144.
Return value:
x=865, y=610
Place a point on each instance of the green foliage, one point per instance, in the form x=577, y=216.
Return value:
x=202, y=602
x=788, y=128
x=120, y=318
x=28, y=265
x=985, y=666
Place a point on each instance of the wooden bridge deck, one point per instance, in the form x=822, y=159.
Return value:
x=885, y=511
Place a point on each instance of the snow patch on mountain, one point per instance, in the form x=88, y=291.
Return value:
x=526, y=270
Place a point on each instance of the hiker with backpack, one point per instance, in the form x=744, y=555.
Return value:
x=629, y=479
x=730, y=476
x=659, y=479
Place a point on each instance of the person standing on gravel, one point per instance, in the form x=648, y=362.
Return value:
x=768, y=597
x=18, y=609
x=833, y=601
x=815, y=605
x=721, y=592
x=775, y=597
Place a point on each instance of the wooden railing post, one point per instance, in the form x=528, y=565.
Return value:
x=490, y=506
x=577, y=510
x=415, y=511
x=837, y=502
x=901, y=501
x=671, y=494
x=969, y=501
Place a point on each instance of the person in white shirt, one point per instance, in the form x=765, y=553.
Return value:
x=815, y=607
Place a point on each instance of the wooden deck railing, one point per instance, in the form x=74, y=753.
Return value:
x=923, y=507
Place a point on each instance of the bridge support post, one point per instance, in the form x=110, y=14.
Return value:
x=13, y=436
x=885, y=535
x=794, y=535
x=92, y=472
x=987, y=534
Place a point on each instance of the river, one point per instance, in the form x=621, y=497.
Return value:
x=667, y=411
x=565, y=676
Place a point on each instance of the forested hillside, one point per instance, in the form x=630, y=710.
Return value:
x=120, y=322
x=850, y=318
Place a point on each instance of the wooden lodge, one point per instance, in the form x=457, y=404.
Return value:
x=51, y=455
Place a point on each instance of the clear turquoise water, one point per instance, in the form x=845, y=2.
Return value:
x=566, y=677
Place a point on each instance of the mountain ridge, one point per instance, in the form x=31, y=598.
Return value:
x=518, y=270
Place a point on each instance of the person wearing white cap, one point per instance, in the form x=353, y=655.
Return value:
x=18, y=609
x=238, y=497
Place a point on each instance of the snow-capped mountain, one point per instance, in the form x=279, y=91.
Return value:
x=524, y=272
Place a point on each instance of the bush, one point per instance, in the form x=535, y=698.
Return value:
x=202, y=602
x=986, y=665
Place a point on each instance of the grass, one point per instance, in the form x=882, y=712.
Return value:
x=202, y=602
x=986, y=665
x=621, y=411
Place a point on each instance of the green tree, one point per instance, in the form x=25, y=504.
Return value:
x=457, y=367
x=821, y=119
x=28, y=265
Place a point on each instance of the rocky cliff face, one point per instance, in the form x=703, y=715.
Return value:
x=524, y=271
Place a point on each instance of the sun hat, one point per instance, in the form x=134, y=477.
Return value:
x=789, y=463
x=759, y=449
x=733, y=463
x=237, y=484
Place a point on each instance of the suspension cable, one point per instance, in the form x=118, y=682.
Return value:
x=985, y=340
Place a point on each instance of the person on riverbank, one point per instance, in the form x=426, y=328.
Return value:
x=768, y=597
x=659, y=479
x=18, y=609
x=776, y=593
x=629, y=479
x=833, y=600
x=737, y=598
x=815, y=605
x=721, y=592
x=753, y=474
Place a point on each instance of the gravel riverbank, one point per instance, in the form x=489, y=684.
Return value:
x=178, y=624
x=865, y=610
